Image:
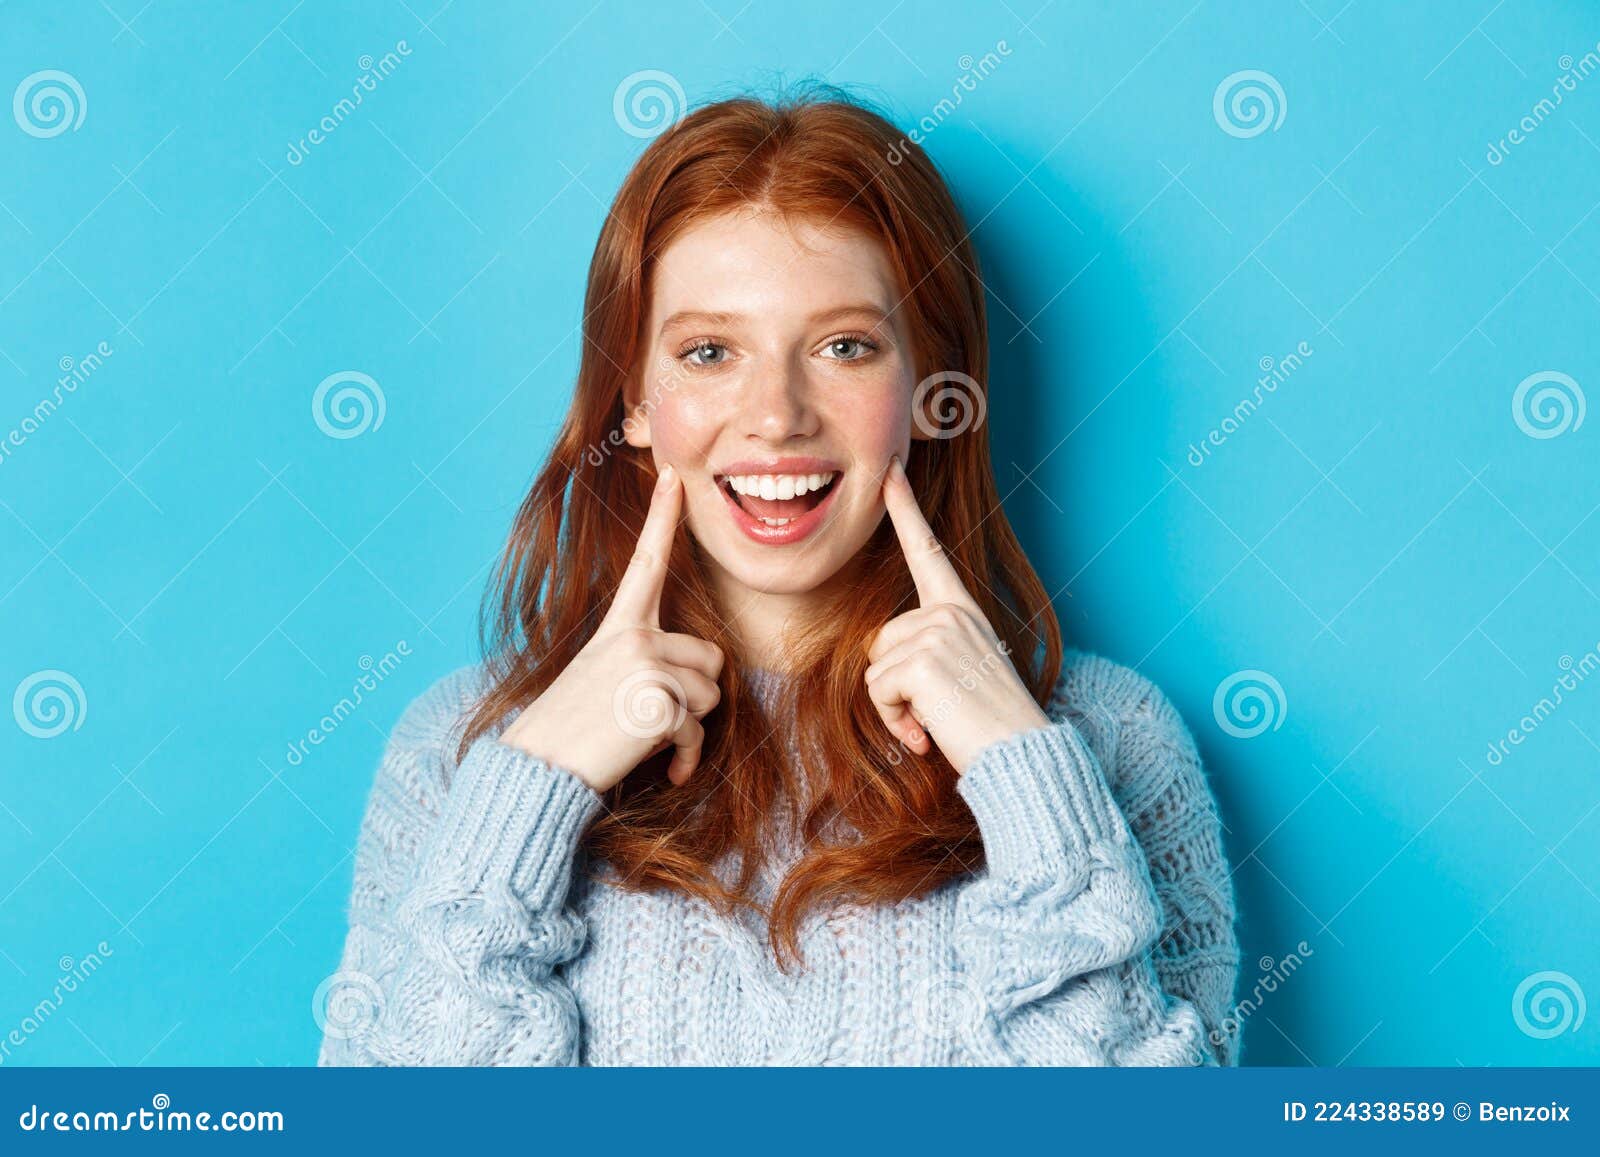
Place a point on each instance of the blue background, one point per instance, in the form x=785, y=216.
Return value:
x=1381, y=536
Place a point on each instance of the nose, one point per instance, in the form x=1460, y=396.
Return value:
x=777, y=404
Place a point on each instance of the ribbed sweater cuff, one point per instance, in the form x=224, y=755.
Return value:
x=1041, y=802
x=511, y=818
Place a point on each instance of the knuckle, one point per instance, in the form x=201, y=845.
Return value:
x=637, y=641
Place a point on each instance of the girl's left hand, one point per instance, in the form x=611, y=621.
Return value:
x=940, y=670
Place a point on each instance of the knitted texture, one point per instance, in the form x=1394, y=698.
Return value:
x=1100, y=932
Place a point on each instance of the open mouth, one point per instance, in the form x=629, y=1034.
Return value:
x=778, y=509
x=776, y=500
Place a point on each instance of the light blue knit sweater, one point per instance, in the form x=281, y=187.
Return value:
x=1099, y=933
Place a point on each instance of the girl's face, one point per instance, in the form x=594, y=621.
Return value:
x=778, y=382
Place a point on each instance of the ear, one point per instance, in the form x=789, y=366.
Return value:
x=636, y=426
x=924, y=421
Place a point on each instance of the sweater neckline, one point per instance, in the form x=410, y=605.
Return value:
x=766, y=682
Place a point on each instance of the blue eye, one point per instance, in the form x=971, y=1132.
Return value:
x=699, y=345
x=861, y=343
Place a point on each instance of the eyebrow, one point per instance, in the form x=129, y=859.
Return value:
x=705, y=317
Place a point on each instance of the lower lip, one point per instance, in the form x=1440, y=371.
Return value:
x=795, y=530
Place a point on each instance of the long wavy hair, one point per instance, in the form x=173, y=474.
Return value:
x=818, y=154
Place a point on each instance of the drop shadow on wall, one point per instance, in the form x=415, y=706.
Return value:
x=1037, y=400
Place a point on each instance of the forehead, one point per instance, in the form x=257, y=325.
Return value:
x=748, y=261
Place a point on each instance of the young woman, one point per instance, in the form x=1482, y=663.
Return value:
x=776, y=756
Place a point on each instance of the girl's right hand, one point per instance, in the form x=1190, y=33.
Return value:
x=634, y=689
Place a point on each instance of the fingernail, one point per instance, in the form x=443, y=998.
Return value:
x=895, y=466
x=664, y=479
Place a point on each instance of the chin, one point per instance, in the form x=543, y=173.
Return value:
x=775, y=576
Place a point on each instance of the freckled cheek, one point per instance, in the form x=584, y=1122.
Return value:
x=683, y=431
x=875, y=427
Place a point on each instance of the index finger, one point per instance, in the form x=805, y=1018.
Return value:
x=936, y=579
x=638, y=598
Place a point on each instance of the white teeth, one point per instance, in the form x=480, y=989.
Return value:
x=771, y=486
x=777, y=521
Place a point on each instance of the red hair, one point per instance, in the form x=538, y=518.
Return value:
x=818, y=155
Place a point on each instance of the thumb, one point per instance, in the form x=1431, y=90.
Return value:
x=903, y=724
